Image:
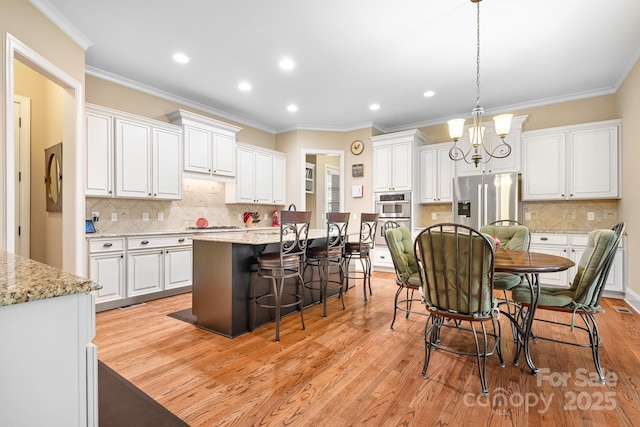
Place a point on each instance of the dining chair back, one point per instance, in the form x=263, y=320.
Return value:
x=456, y=269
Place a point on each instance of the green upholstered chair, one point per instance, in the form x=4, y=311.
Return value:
x=456, y=271
x=400, y=246
x=582, y=298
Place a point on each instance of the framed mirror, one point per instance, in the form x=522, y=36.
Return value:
x=53, y=177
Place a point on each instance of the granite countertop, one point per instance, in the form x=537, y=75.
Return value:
x=187, y=231
x=254, y=236
x=25, y=280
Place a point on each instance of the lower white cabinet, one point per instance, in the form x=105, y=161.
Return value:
x=139, y=268
x=381, y=258
x=572, y=246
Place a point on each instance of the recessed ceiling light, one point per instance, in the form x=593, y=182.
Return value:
x=292, y=108
x=181, y=58
x=287, y=64
x=429, y=94
x=374, y=107
x=244, y=86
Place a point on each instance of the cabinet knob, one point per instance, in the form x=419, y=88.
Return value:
x=149, y=194
x=562, y=195
x=155, y=194
x=108, y=245
x=110, y=192
x=209, y=170
x=144, y=242
x=571, y=195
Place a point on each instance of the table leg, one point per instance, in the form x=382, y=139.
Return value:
x=533, y=281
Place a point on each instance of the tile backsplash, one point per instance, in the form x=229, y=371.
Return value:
x=204, y=199
x=545, y=215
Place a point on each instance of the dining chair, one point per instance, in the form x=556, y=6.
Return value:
x=400, y=246
x=361, y=250
x=330, y=254
x=287, y=262
x=582, y=298
x=456, y=271
x=513, y=236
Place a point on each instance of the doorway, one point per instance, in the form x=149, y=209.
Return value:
x=22, y=140
x=324, y=197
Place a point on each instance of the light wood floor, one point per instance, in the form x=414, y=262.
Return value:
x=351, y=369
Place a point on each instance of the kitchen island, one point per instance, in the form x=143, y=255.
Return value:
x=224, y=264
x=48, y=363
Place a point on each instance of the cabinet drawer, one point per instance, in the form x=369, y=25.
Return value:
x=579, y=240
x=106, y=245
x=143, y=242
x=549, y=239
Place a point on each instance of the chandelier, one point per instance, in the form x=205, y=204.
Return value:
x=476, y=132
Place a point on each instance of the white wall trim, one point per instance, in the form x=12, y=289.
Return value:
x=633, y=299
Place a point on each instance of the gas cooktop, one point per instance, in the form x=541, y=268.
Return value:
x=215, y=227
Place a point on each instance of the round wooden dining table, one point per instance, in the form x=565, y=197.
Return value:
x=531, y=264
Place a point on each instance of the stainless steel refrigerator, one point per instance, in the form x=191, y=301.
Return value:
x=483, y=199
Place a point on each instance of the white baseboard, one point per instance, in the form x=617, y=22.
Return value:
x=633, y=299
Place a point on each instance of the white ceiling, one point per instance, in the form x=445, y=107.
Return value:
x=352, y=53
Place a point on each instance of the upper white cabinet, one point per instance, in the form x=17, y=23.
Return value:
x=99, y=137
x=209, y=145
x=131, y=156
x=572, y=162
x=436, y=171
x=393, y=158
x=511, y=163
x=261, y=179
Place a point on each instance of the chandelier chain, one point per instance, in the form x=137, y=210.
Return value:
x=478, y=56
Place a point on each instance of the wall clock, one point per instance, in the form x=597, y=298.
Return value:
x=357, y=147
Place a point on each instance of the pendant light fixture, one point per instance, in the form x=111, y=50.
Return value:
x=478, y=148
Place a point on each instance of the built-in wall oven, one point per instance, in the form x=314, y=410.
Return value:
x=392, y=206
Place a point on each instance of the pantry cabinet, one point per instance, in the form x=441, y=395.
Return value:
x=209, y=145
x=436, y=172
x=511, y=163
x=132, y=157
x=572, y=246
x=262, y=180
x=572, y=162
x=393, y=159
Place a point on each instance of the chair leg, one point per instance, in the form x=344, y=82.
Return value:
x=395, y=306
x=594, y=338
x=481, y=357
x=277, y=295
x=368, y=261
x=430, y=335
x=301, y=292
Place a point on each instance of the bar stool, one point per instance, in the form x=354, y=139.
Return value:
x=362, y=250
x=331, y=254
x=288, y=262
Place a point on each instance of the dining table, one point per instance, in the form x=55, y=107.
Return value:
x=531, y=265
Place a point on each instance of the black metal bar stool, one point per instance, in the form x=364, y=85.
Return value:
x=362, y=250
x=331, y=254
x=288, y=262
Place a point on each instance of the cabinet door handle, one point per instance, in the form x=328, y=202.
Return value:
x=544, y=238
x=144, y=242
x=180, y=240
x=108, y=245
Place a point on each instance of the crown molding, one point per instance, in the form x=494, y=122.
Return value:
x=54, y=15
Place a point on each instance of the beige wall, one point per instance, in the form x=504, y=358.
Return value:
x=46, y=130
x=628, y=103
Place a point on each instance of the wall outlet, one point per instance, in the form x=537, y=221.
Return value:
x=527, y=216
x=591, y=216
x=434, y=215
x=160, y=216
x=114, y=216
x=95, y=216
x=239, y=217
x=145, y=216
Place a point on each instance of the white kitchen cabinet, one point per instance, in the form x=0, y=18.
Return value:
x=572, y=162
x=572, y=246
x=209, y=145
x=261, y=177
x=156, y=263
x=106, y=267
x=99, y=156
x=436, y=171
x=393, y=159
x=511, y=163
x=147, y=161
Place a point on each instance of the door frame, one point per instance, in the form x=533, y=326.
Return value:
x=316, y=151
x=73, y=244
x=23, y=163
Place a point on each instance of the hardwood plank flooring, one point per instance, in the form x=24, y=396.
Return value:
x=351, y=369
